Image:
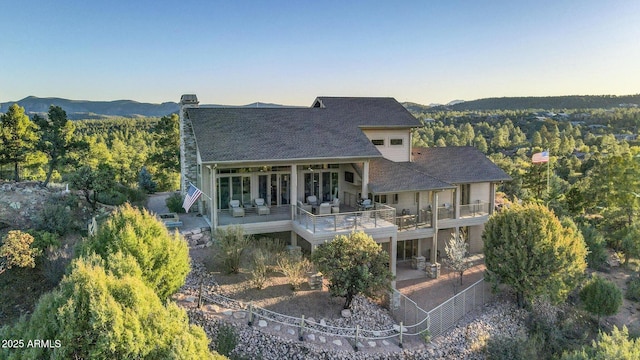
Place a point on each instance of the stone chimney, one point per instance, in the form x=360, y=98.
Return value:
x=188, y=149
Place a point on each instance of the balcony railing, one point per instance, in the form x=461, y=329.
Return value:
x=418, y=221
x=479, y=208
x=380, y=216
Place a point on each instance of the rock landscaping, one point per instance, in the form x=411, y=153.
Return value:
x=268, y=339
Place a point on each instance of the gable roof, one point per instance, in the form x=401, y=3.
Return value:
x=458, y=164
x=332, y=130
x=433, y=169
x=387, y=176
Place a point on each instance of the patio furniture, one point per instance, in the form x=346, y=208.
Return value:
x=304, y=207
x=324, y=208
x=335, y=207
x=262, y=208
x=312, y=200
x=366, y=204
x=235, y=208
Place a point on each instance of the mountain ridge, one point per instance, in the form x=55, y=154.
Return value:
x=88, y=109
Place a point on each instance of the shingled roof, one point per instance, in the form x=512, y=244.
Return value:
x=433, y=169
x=330, y=129
x=458, y=164
x=387, y=176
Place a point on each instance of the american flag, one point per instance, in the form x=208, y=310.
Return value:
x=192, y=195
x=541, y=157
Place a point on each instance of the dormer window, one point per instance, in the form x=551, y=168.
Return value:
x=378, y=142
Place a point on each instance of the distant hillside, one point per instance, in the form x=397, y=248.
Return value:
x=546, y=102
x=83, y=109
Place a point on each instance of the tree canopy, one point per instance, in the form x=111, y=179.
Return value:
x=94, y=314
x=353, y=264
x=527, y=248
x=17, y=138
x=162, y=257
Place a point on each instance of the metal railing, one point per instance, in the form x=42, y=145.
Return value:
x=380, y=216
x=479, y=208
x=444, y=316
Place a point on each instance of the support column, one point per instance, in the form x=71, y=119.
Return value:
x=365, y=180
x=434, y=241
x=293, y=200
x=393, y=249
x=492, y=197
x=456, y=200
x=214, y=199
x=293, y=191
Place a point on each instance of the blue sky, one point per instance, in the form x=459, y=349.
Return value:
x=289, y=52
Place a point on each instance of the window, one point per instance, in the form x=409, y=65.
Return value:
x=395, y=141
x=348, y=176
x=378, y=142
x=382, y=199
x=395, y=199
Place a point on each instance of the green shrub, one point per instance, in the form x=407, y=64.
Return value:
x=174, y=203
x=44, y=240
x=163, y=257
x=112, y=197
x=504, y=348
x=259, y=268
x=633, y=289
x=55, y=217
x=601, y=297
x=295, y=268
x=227, y=340
x=230, y=244
x=597, y=245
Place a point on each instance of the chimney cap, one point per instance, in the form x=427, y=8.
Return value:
x=189, y=99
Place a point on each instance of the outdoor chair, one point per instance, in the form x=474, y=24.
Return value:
x=324, y=208
x=312, y=200
x=304, y=207
x=235, y=208
x=262, y=208
x=366, y=204
x=335, y=206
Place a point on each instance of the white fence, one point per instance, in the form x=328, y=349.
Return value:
x=445, y=315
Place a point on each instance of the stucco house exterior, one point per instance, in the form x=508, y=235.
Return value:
x=261, y=168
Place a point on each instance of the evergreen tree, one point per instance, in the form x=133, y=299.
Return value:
x=353, y=264
x=527, y=248
x=56, y=138
x=17, y=138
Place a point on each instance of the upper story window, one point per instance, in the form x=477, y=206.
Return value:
x=395, y=141
x=378, y=141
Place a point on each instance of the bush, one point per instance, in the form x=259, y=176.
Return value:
x=230, y=244
x=504, y=348
x=145, y=182
x=55, y=262
x=96, y=315
x=44, y=240
x=227, y=340
x=601, y=297
x=259, y=268
x=163, y=257
x=597, y=246
x=112, y=197
x=295, y=268
x=55, y=217
x=633, y=289
x=174, y=203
